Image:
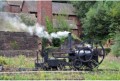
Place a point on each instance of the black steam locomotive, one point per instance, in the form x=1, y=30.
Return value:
x=88, y=54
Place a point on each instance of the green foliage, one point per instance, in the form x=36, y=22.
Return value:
x=49, y=26
x=43, y=76
x=29, y=21
x=104, y=75
x=116, y=47
x=45, y=42
x=62, y=24
x=63, y=39
x=19, y=61
x=14, y=45
x=75, y=37
x=82, y=7
x=107, y=50
x=2, y=61
x=100, y=20
x=56, y=42
x=96, y=24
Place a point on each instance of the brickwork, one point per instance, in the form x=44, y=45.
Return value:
x=44, y=9
x=13, y=53
x=18, y=43
x=24, y=8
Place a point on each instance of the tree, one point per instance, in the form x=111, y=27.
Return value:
x=96, y=23
x=82, y=7
x=116, y=47
x=100, y=20
x=114, y=18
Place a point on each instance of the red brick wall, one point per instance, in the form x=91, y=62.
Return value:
x=18, y=43
x=73, y=17
x=44, y=9
x=24, y=8
x=13, y=9
x=76, y=20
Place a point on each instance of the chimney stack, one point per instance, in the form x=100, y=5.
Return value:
x=44, y=10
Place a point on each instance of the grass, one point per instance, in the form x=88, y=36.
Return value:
x=104, y=75
x=64, y=76
x=44, y=76
x=110, y=62
x=19, y=62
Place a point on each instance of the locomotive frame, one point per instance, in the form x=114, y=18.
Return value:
x=88, y=54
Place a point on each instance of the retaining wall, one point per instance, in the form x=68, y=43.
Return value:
x=18, y=43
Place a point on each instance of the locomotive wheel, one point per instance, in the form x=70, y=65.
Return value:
x=85, y=57
x=61, y=67
x=92, y=64
x=77, y=64
x=98, y=54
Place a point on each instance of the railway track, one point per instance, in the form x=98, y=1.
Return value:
x=34, y=71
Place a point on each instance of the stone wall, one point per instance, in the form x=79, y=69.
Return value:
x=16, y=43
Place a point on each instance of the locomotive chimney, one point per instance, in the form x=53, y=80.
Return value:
x=70, y=41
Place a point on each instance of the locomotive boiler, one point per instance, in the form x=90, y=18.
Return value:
x=84, y=55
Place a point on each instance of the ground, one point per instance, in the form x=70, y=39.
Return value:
x=109, y=64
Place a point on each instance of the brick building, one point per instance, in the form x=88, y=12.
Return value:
x=43, y=9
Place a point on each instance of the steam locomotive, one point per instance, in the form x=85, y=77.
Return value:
x=87, y=54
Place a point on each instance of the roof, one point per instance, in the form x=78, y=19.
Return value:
x=8, y=14
x=17, y=3
x=63, y=8
x=71, y=23
x=32, y=6
x=57, y=8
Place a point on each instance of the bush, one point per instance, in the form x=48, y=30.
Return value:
x=56, y=42
x=2, y=61
x=61, y=23
x=49, y=25
x=63, y=39
x=115, y=49
x=29, y=21
x=107, y=50
x=45, y=42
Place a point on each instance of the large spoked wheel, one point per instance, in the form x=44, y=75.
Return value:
x=98, y=55
x=95, y=55
x=85, y=51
